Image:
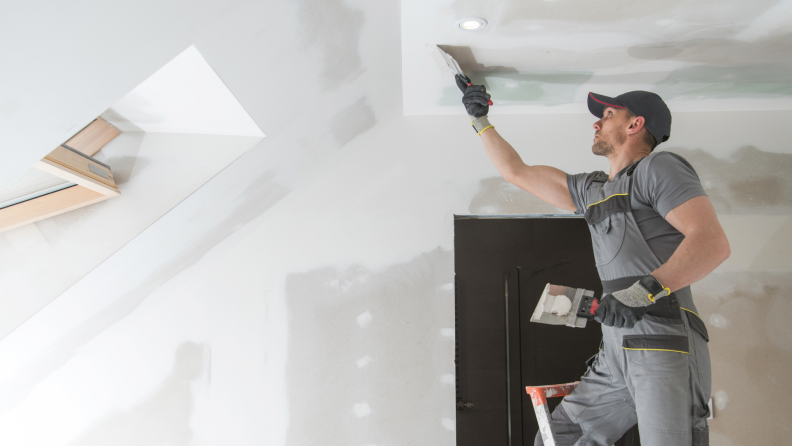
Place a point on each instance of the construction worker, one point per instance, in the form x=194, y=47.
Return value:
x=654, y=232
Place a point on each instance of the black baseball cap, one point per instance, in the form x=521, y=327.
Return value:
x=640, y=103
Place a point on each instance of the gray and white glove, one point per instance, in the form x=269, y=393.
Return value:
x=624, y=308
x=642, y=293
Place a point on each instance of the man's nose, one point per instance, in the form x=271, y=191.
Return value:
x=597, y=126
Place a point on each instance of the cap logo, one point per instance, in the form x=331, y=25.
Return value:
x=605, y=103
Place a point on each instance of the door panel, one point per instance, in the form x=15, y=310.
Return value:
x=528, y=253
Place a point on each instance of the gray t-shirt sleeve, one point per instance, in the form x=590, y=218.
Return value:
x=577, y=184
x=667, y=181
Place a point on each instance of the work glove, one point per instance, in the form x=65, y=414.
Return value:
x=476, y=101
x=615, y=314
x=624, y=308
x=475, y=97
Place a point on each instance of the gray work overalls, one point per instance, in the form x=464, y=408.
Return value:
x=657, y=373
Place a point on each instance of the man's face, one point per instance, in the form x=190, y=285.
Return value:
x=609, y=131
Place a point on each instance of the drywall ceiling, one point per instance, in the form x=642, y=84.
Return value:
x=542, y=56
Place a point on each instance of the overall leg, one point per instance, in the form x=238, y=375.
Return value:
x=668, y=374
x=600, y=410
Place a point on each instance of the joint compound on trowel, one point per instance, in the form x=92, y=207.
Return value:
x=559, y=305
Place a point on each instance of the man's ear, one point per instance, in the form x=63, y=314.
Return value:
x=636, y=124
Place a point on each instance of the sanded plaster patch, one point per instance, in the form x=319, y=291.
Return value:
x=750, y=181
x=750, y=356
x=409, y=305
x=355, y=120
x=334, y=28
x=496, y=196
x=721, y=399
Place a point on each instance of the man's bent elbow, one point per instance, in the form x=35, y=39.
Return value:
x=509, y=175
x=725, y=250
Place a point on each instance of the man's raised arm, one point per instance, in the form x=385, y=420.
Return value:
x=547, y=183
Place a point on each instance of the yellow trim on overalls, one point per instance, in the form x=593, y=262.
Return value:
x=657, y=350
x=691, y=312
x=592, y=204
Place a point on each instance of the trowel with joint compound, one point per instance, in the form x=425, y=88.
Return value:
x=455, y=68
x=563, y=305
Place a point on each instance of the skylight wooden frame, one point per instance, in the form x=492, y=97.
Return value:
x=93, y=180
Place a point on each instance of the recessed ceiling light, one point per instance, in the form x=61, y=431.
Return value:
x=472, y=23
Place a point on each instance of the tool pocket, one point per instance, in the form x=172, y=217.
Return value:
x=667, y=343
x=697, y=325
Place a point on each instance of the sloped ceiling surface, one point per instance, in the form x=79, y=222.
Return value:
x=540, y=56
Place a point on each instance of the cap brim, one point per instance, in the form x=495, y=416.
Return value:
x=598, y=102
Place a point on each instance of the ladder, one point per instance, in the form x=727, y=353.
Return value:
x=539, y=396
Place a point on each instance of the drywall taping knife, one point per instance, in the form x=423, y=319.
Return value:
x=455, y=68
x=563, y=305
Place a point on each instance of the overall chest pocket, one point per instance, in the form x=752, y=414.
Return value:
x=607, y=237
x=607, y=220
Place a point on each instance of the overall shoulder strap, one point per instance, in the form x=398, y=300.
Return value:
x=598, y=180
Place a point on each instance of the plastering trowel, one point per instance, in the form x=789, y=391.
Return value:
x=563, y=305
x=454, y=67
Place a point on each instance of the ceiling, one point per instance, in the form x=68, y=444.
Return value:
x=542, y=56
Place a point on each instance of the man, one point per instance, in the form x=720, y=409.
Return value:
x=654, y=233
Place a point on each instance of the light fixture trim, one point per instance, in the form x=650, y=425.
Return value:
x=471, y=23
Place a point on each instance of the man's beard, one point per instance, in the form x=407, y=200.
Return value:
x=605, y=148
x=602, y=148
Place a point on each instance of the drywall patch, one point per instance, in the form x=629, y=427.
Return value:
x=364, y=361
x=776, y=255
x=449, y=379
x=721, y=399
x=164, y=418
x=447, y=332
x=654, y=51
x=362, y=410
x=777, y=321
x=706, y=81
x=496, y=196
x=510, y=85
x=449, y=424
x=353, y=121
x=751, y=181
x=447, y=287
x=364, y=319
x=718, y=321
x=334, y=27
x=410, y=308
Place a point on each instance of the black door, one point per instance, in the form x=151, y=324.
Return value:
x=504, y=264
